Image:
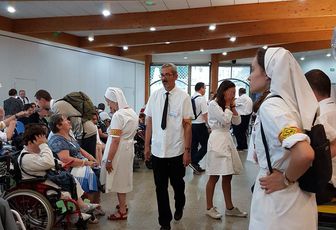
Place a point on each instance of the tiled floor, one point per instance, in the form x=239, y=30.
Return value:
x=142, y=205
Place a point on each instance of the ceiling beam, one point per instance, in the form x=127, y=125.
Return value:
x=206, y=15
x=259, y=40
x=293, y=47
x=203, y=33
x=6, y=24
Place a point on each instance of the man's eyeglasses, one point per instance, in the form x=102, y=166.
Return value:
x=166, y=74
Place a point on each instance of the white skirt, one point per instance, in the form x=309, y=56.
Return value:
x=222, y=156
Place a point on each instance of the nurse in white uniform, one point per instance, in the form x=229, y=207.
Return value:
x=278, y=202
x=117, y=162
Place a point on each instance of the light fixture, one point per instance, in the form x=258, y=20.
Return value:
x=185, y=58
x=202, y=50
x=233, y=39
x=167, y=43
x=328, y=54
x=302, y=58
x=149, y=3
x=265, y=47
x=152, y=28
x=125, y=47
x=11, y=9
x=106, y=13
x=224, y=53
x=212, y=27
x=91, y=38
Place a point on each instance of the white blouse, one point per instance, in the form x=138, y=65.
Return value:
x=219, y=119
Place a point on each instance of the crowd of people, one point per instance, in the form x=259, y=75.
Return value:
x=180, y=132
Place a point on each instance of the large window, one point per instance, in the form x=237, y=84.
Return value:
x=188, y=76
x=200, y=74
x=236, y=74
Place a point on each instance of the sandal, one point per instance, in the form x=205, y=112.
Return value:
x=118, y=207
x=115, y=216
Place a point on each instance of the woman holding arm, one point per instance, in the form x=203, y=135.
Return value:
x=278, y=202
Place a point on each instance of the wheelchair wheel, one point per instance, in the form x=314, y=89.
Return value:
x=34, y=209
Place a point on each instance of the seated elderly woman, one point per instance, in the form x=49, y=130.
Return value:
x=74, y=157
x=36, y=158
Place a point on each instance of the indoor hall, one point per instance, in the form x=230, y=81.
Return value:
x=67, y=46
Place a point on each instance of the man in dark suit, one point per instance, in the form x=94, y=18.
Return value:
x=12, y=105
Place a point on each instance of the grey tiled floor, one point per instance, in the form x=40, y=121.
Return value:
x=143, y=208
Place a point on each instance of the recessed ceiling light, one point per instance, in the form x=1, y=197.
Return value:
x=212, y=27
x=265, y=47
x=328, y=54
x=202, y=50
x=185, y=58
x=106, y=13
x=233, y=39
x=125, y=47
x=149, y=3
x=302, y=58
x=152, y=28
x=91, y=38
x=167, y=43
x=11, y=9
x=224, y=53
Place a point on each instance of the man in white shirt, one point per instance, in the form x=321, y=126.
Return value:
x=200, y=133
x=168, y=138
x=320, y=83
x=244, y=106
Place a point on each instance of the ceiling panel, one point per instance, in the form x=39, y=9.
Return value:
x=198, y=3
x=245, y=1
x=132, y=6
x=176, y=4
x=158, y=6
x=222, y=2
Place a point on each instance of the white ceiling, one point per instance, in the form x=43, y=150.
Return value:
x=38, y=9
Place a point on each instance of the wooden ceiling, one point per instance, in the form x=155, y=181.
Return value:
x=299, y=25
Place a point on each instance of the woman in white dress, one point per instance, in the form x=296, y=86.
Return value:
x=117, y=162
x=222, y=157
x=278, y=202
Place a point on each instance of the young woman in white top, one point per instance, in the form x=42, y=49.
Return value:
x=278, y=202
x=222, y=156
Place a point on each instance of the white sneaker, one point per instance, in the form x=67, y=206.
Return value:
x=213, y=213
x=235, y=212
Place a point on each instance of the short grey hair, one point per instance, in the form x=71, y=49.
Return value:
x=170, y=65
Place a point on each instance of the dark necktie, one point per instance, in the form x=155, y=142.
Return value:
x=164, y=114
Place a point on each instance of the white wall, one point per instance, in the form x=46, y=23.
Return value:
x=326, y=64
x=32, y=64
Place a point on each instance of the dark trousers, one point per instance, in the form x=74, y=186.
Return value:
x=240, y=131
x=200, y=136
x=326, y=195
x=89, y=144
x=168, y=169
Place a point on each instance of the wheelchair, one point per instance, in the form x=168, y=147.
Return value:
x=39, y=205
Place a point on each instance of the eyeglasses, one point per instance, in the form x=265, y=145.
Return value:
x=166, y=74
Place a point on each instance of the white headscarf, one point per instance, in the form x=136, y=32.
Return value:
x=288, y=81
x=116, y=95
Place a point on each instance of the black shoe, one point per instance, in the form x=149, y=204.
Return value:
x=200, y=169
x=178, y=215
x=163, y=227
x=195, y=167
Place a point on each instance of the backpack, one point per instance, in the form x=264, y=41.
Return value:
x=318, y=175
x=82, y=103
x=193, y=104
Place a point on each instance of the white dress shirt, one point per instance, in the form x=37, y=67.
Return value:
x=244, y=105
x=201, y=108
x=169, y=142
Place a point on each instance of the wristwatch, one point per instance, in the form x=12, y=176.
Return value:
x=286, y=181
x=109, y=161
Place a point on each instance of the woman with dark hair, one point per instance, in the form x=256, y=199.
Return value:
x=73, y=156
x=222, y=157
x=277, y=201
